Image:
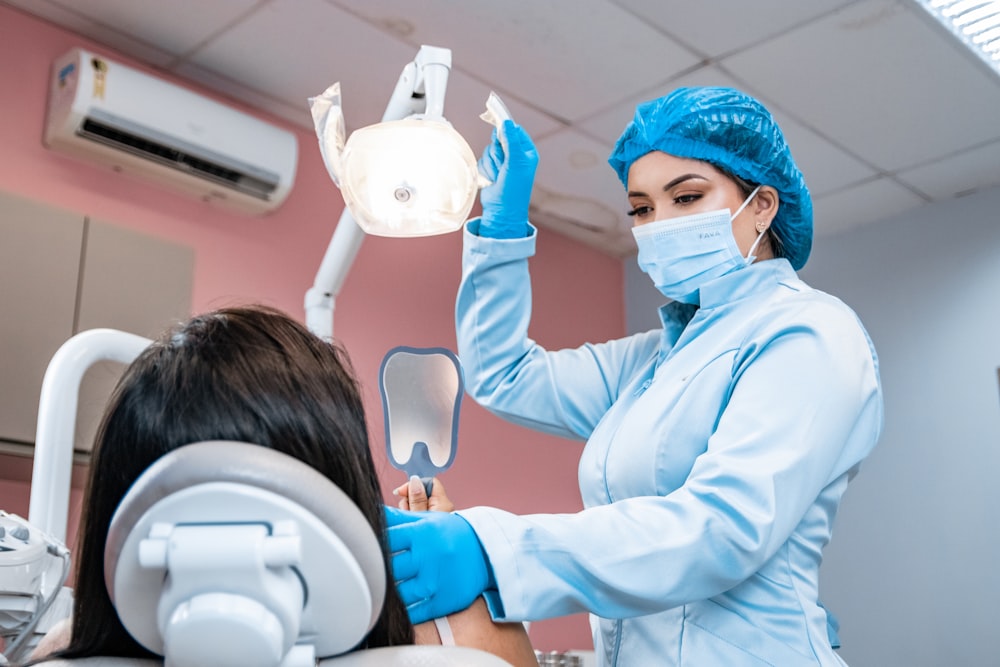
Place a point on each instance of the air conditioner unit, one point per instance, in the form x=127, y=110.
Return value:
x=115, y=115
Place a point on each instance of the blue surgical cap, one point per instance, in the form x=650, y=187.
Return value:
x=734, y=132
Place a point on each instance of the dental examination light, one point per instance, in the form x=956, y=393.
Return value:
x=410, y=175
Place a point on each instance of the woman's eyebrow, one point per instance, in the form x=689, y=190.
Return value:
x=671, y=184
x=681, y=179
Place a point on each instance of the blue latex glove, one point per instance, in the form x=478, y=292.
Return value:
x=510, y=162
x=437, y=561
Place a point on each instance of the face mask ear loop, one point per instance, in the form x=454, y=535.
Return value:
x=749, y=258
x=745, y=202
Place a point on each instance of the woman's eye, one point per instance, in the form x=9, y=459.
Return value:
x=640, y=211
x=686, y=199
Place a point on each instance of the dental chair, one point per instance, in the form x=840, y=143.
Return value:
x=234, y=555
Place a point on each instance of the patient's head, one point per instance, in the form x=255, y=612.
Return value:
x=249, y=374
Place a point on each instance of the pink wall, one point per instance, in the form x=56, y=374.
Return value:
x=399, y=292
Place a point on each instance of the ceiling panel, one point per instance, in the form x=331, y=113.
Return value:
x=861, y=204
x=880, y=81
x=960, y=174
x=212, y=80
x=172, y=31
x=575, y=183
x=571, y=163
x=96, y=27
x=294, y=49
x=826, y=166
x=567, y=63
x=719, y=27
x=608, y=124
x=466, y=101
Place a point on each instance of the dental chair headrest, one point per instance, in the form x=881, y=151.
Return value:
x=226, y=553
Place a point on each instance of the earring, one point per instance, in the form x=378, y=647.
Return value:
x=761, y=226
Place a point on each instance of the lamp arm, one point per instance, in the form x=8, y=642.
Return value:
x=420, y=89
x=433, y=65
x=320, y=298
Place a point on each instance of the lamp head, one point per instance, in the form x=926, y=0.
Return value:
x=408, y=178
x=411, y=177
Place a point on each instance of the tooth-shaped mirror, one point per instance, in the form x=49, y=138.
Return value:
x=422, y=392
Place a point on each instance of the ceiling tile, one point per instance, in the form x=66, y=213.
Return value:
x=465, y=101
x=718, y=27
x=96, y=27
x=826, y=166
x=294, y=49
x=879, y=80
x=861, y=204
x=957, y=175
x=566, y=62
x=574, y=182
x=298, y=114
x=608, y=124
x=160, y=23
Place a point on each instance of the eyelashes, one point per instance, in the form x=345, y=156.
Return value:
x=638, y=210
x=679, y=200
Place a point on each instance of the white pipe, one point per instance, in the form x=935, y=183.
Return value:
x=319, y=303
x=51, y=472
x=433, y=64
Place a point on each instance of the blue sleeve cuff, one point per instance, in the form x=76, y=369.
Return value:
x=495, y=605
x=475, y=227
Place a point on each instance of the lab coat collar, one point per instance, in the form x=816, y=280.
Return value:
x=745, y=282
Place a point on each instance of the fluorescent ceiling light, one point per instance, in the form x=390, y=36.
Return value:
x=975, y=22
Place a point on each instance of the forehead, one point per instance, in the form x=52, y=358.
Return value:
x=655, y=169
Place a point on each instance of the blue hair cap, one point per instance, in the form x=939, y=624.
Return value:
x=734, y=132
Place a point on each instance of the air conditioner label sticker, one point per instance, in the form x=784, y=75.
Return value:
x=65, y=73
x=100, y=73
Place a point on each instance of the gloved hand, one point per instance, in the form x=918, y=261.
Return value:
x=510, y=162
x=413, y=496
x=437, y=562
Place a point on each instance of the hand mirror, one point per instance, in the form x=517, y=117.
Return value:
x=421, y=395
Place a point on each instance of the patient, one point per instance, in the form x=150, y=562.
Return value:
x=255, y=375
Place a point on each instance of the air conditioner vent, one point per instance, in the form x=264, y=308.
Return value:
x=175, y=159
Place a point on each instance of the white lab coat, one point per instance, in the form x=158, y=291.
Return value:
x=718, y=449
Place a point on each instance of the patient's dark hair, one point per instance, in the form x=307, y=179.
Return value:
x=249, y=374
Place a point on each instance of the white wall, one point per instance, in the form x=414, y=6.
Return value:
x=913, y=570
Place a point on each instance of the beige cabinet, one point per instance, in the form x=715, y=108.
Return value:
x=61, y=273
x=40, y=250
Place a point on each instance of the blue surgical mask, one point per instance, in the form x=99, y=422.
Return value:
x=682, y=254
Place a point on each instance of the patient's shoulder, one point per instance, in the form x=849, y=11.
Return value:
x=56, y=639
x=474, y=628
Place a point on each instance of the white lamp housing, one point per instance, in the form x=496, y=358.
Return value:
x=408, y=178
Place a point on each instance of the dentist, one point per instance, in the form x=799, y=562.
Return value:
x=718, y=446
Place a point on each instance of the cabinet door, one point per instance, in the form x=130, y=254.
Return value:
x=39, y=267
x=132, y=282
